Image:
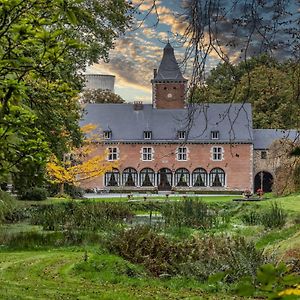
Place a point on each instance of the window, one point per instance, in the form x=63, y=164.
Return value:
x=215, y=135
x=182, y=177
x=113, y=153
x=263, y=154
x=112, y=178
x=147, y=153
x=147, y=177
x=107, y=135
x=217, y=177
x=147, y=135
x=199, y=177
x=217, y=153
x=182, y=153
x=181, y=134
x=130, y=177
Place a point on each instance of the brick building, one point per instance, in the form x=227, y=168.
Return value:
x=169, y=145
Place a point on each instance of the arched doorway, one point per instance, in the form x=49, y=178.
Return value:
x=263, y=180
x=164, y=179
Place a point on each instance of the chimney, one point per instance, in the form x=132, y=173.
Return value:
x=138, y=105
x=154, y=73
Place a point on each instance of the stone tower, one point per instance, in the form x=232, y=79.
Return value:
x=168, y=84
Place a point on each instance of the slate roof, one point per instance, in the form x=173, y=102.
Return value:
x=168, y=68
x=263, y=138
x=233, y=121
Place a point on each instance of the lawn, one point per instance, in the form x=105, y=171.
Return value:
x=63, y=274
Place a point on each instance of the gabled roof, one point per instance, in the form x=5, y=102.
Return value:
x=168, y=68
x=263, y=138
x=233, y=121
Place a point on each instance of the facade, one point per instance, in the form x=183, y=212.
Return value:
x=169, y=145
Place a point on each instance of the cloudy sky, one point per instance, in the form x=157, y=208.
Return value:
x=139, y=51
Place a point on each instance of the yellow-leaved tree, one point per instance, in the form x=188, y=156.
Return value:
x=80, y=164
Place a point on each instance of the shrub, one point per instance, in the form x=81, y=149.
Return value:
x=83, y=215
x=34, y=239
x=274, y=217
x=251, y=218
x=193, y=213
x=7, y=205
x=34, y=194
x=198, y=258
x=73, y=191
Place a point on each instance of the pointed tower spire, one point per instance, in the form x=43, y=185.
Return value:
x=168, y=85
x=169, y=69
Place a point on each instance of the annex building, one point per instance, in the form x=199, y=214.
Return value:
x=170, y=145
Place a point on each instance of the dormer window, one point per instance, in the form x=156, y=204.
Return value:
x=107, y=134
x=147, y=135
x=215, y=135
x=181, y=135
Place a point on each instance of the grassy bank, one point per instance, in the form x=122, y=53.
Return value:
x=88, y=249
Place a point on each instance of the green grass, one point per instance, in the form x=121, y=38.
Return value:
x=63, y=274
x=275, y=236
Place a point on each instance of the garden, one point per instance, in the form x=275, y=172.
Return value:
x=150, y=248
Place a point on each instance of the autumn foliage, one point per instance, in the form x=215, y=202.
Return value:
x=81, y=163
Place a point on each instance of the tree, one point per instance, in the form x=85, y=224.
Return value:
x=80, y=164
x=43, y=43
x=268, y=85
x=101, y=96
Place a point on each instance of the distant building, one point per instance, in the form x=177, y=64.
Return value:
x=98, y=81
x=170, y=145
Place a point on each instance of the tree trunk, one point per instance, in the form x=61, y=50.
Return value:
x=62, y=189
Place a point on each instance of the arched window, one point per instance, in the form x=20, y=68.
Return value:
x=182, y=177
x=147, y=177
x=164, y=179
x=112, y=178
x=217, y=177
x=199, y=177
x=130, y=177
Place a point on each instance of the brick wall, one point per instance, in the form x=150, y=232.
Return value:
x=237, y=161
x=161, y=92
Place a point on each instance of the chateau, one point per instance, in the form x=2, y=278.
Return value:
x=170, y=145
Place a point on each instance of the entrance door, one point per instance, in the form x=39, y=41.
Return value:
x=164, y=179
x=263, y=180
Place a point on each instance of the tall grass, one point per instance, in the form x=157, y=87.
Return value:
x=195, y=214
x=197, y=258
x=272, y=217
x=83, y=215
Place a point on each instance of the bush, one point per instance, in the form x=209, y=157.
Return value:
x=274, y=217
x=198, y=258
x=193, y=213
x=251, y=218
x=73, y=191
x=84, y=215
x=34, y=194
x=35, y=239
x=7, y=205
